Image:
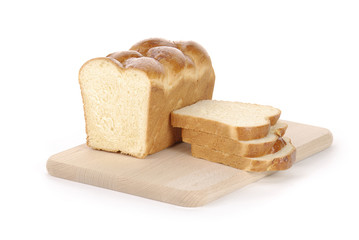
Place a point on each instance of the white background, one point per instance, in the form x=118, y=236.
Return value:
x=300, y=56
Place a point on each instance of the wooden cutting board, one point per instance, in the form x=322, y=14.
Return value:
x=172, y=175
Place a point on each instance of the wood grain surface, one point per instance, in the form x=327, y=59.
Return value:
x=172, y=175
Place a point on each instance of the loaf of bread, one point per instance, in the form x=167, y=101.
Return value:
x=251, y=148
x=282, y=159
x=235, y=120
x=128, y=96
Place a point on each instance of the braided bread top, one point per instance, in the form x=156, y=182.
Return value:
x=161, y=59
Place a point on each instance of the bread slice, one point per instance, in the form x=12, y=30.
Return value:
x=251, y=148
x=128, y=96
x=280, y=160
x=235, y=120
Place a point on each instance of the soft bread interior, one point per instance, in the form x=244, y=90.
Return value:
x=231, y=113
x=116, y=106
x=250, y=148
x=286, y=150
x=281, y=160
x=272, y=135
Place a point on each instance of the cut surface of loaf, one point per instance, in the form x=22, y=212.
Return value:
x=235, y=120
x=128, y=96
x=280, y=160
x=251, y=148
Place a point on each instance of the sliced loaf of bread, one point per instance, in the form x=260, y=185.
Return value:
x=280, y=160
x=128, y=96
x=252, y=148
x=235, y=120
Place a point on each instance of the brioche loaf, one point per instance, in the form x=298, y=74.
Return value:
x=235, y=120
x=250, y=148
x=279, y=160
x=128, y=96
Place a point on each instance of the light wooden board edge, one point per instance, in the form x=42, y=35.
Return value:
x=304, y=151
x=185, y=198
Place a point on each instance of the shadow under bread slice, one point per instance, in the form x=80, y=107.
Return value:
x=280, y=160
x=251, y=148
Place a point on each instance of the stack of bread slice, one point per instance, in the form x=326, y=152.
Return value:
x=241, y=135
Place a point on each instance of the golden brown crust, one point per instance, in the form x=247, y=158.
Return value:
x=153, y=68
x=193, y=49
x=245, y=163
x=144, y=45
x=195, y=81
x=171, y=57
x=281, y=130
x=239, y=148
x=283, y=163
x=278, y=145
x=274, y=119
x=180, y=74
x=222, y=129
x=124, y=55
x=162, y=60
